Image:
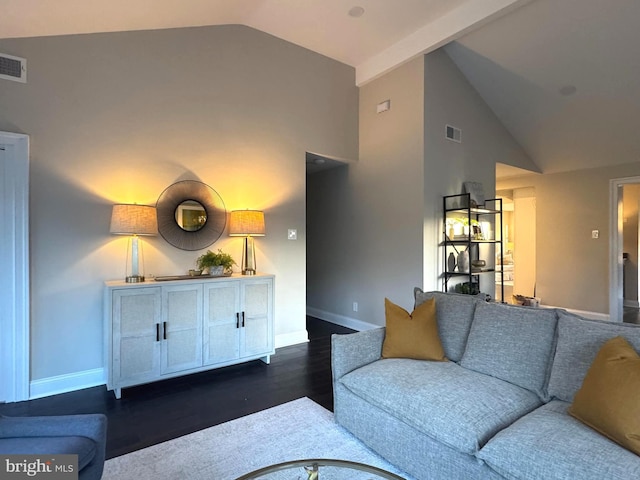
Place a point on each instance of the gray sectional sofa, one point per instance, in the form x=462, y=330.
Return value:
x=496, y=409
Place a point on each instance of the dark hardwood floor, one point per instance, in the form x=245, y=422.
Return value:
x=154, y=413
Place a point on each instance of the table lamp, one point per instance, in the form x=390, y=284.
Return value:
x=134, y=220
x=247, y=224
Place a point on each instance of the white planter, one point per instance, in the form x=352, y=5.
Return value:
x=216, y=271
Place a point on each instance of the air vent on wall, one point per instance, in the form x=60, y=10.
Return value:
x=13, y=68
x=453, y=133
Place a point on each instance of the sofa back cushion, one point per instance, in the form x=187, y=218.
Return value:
x=512, y=343
x=455, y=314
x=579, y=340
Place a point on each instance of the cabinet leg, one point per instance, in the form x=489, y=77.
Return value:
x=266, y=359
x=118, y=393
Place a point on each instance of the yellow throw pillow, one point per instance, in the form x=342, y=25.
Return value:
x=412, y=335
x=608, y=400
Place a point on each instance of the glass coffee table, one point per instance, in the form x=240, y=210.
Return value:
x=320, y=469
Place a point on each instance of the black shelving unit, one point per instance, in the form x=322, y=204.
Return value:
x=462, y=231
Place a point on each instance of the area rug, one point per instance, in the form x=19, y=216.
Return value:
x=297, y=430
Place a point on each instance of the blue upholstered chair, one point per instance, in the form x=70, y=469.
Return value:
x=84, y=435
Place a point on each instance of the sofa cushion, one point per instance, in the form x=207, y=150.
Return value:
x=455, y=314
x=579, y=340
x=512, y=343
x=84, y=447
x=550, y=444
x=412, y=335
x=458, y=407
x=609, y=400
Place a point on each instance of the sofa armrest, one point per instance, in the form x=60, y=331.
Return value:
x=92, y=426
x=355, y=350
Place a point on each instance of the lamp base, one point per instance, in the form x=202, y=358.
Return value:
x=248, y=256
x=134, y=279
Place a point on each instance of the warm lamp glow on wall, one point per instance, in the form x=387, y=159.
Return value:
x=248, y=224
x=134, y=220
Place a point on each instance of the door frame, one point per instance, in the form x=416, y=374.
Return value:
x=14, y=280
x=616, y=265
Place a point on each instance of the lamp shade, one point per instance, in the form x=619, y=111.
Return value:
x=133, y=220
x=243, y=223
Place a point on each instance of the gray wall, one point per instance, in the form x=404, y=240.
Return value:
x=367, y=217
x=118, y=117
x=450, y=99
x=382, y=216
x=572, y=268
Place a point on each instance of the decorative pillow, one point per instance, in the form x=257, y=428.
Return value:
x=412, y=335
x=454, y=313
x=579, y=340
x=514, y=344
x=608, y=400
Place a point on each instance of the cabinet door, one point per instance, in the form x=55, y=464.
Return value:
x=221, y=322
x=181, y=328
x=257, y=309
x=136, y=349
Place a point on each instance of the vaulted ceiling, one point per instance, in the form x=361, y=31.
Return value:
x=562, y=75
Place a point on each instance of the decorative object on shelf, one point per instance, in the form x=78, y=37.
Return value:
x=133, y=220
x=191, y=215
x=217, y=264
x=463, y=261
x=451, y=262
x=476, y=193
x=468, y=288
x=247, y=224
x=195, y=273
x=478, y=265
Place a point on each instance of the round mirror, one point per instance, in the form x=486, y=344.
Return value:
x=191, y=216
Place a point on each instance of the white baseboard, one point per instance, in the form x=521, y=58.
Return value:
x=294, y=338
x=583, y=313
x=341, y=320
x=45, y=387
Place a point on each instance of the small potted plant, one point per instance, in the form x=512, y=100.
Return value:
x=217, y=263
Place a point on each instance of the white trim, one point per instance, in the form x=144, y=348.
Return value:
x=583, y=313
x=293, y=338
x=348, y=322
x=14, y=284
x=67, y=383
x=616, y=263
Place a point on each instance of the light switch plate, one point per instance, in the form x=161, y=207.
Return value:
x=292, y=234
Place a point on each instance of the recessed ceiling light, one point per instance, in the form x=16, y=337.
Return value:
x=567, y=90
x=356, y=12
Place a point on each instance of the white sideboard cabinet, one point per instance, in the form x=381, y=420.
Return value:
x=163, y=329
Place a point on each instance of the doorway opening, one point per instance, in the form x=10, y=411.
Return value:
x=326, y=187
x=624, y=250
x=519, y=243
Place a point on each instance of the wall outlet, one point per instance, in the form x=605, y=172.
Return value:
x=355, y=306
x=595, y=233
x=292, y=234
